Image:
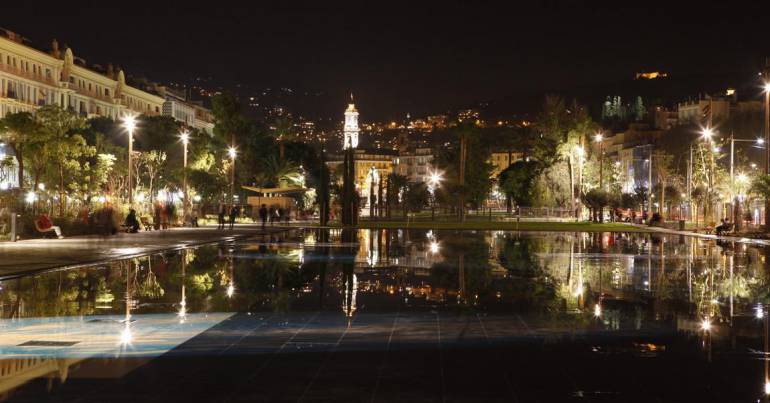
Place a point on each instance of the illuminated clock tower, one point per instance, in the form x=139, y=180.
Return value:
x=351, y=126
x=350, y=196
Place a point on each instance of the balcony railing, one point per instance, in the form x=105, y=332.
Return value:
x=92, y=94
x=13, y=95
x=4, y=67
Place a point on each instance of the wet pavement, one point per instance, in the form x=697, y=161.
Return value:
x=45, y=253
x=397, y=315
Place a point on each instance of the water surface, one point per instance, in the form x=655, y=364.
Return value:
x=384, y=315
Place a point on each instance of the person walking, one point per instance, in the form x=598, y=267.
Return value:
x=271, y=215
x=164, y=216
x=156, y=215
x=221, y=218
x=233, y=214
x=263, y=215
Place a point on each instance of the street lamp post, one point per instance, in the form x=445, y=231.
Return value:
x=129, y=123
x=435, y=180
x=185, y=136
x=600, y=139
x=232, y=152
x=649, y=187
x=735, y=210
x=767, y=149
x=707, y=134
x=767, y=130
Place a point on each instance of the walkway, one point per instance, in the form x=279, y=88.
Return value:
x=41, y=254
x=751, y=241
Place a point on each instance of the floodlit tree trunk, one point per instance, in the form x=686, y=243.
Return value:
x=17, y=151
x=767, y=214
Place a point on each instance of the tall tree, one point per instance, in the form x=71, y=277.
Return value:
x=518, y=182
x=18, y=131
x=58, y=127
x=229, y=124
x=416, y=197
x=466, y=167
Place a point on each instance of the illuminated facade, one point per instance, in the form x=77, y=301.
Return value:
x=501, y=160
x=192, y=114
x=416, y=165
x=30, y=78
x=702, y=110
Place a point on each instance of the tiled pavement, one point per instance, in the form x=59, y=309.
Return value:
x=416, y=356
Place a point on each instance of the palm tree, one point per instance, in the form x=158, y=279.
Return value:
x=465, y=131
x=17, y=130
x=278, y=173
x=283, y=131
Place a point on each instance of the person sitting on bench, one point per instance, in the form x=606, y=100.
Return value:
x=132, y=223
x=43, y=224
x=726, y=226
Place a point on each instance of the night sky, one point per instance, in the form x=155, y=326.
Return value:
x=398, y=57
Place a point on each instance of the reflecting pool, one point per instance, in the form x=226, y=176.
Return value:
x=386, y=315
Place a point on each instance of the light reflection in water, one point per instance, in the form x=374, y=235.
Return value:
x=627, y=282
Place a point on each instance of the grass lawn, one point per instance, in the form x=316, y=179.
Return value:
x=505, y=225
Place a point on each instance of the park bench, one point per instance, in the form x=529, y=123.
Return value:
x=46, y=232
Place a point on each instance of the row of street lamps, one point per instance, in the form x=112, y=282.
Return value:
x=130, y=124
